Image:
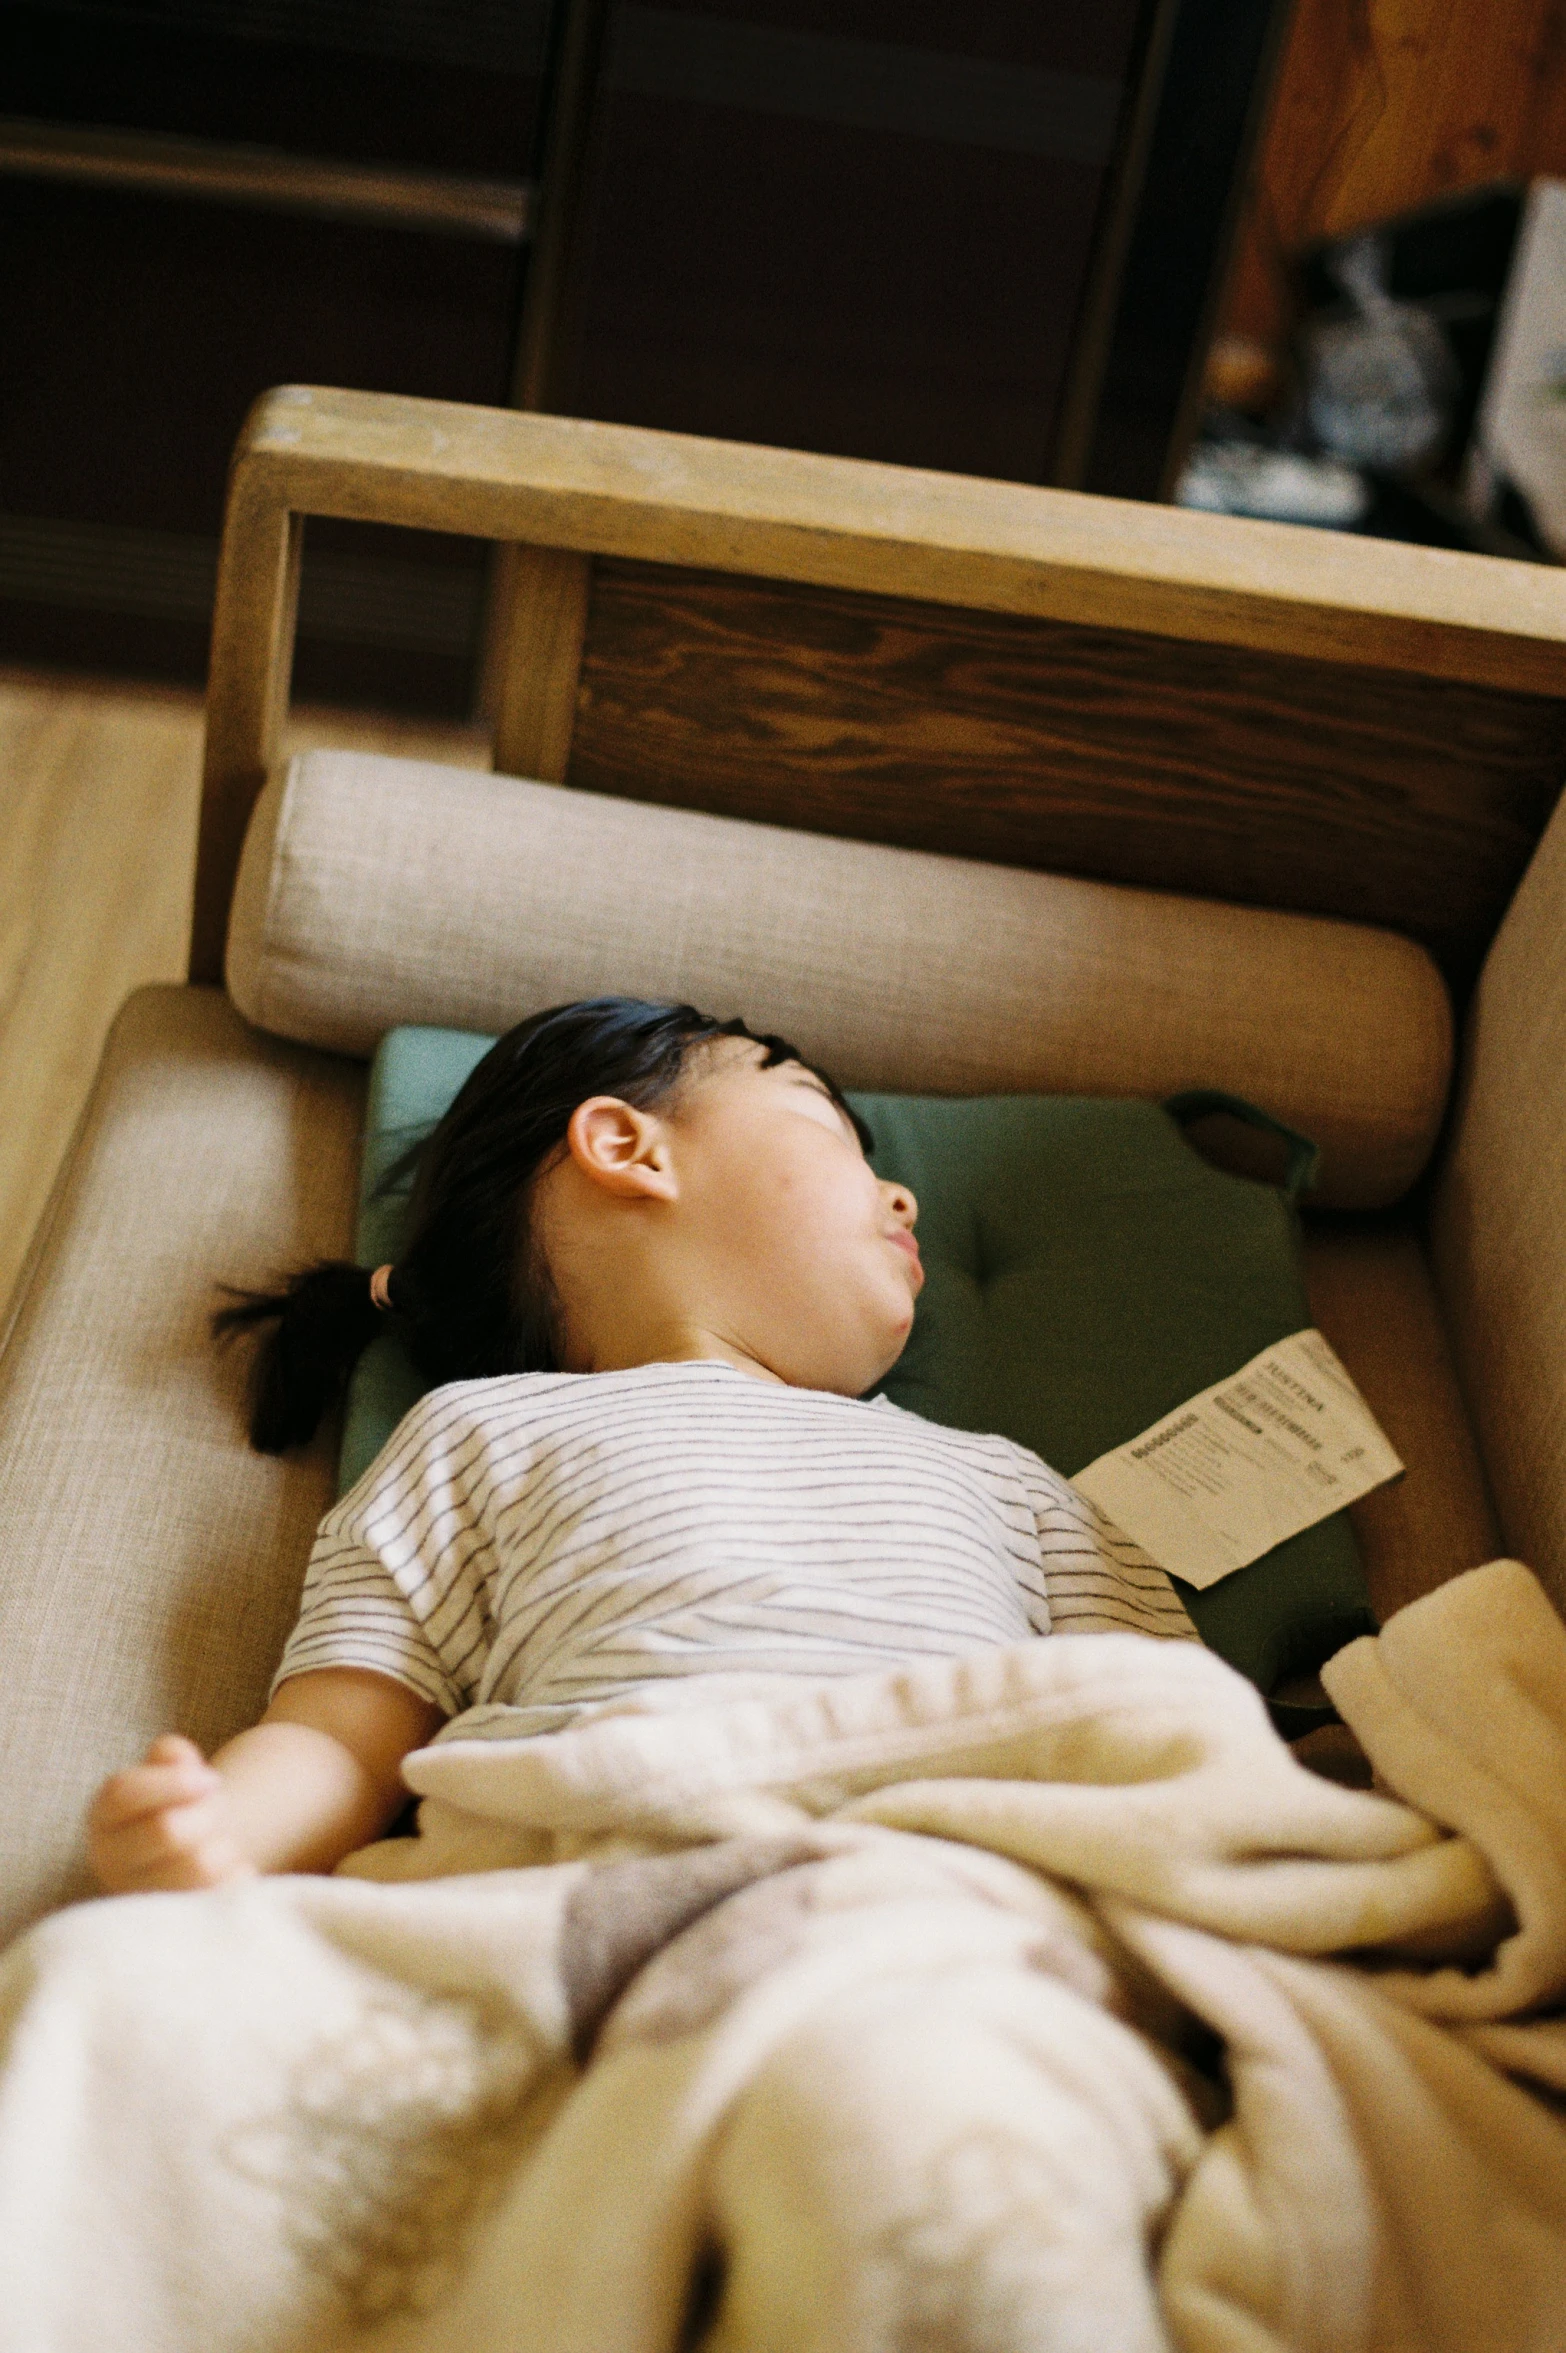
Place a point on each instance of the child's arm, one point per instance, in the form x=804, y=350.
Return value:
x=319, y=1775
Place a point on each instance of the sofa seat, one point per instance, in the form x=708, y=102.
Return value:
x=1372, y=1293
x=156, y=1594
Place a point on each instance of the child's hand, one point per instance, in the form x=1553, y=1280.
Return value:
x=165, y=1823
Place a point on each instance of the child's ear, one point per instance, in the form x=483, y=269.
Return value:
x=624, y=1150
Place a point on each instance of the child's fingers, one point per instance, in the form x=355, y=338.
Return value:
x=172, y=1748
x=164, y=1823
x=153, y=1839
x=146, y=1789
x=182, y=1846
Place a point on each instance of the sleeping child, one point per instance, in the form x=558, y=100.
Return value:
x=653, y=1276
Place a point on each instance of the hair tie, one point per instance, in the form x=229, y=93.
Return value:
x=380, y=1288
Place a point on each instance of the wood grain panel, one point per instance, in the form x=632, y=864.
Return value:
x=1241, y=775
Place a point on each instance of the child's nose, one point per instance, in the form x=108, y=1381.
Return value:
x=901, y=1203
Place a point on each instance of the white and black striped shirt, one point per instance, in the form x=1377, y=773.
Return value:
x=547, y=1541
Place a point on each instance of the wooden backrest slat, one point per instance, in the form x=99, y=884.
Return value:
x=1268, y=714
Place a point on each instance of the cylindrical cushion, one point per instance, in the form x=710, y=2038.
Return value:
x=376, y=891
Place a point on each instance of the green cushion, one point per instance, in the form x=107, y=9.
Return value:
x=415, y=1074
x=1086, y=1272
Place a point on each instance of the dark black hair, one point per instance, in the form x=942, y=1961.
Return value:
x=469, y=1292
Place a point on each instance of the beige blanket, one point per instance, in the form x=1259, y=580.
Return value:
x=996, y=2006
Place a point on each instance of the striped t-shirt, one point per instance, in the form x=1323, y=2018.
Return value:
x=543, y=1542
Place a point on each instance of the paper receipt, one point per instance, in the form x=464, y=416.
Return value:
x=1272, y=1449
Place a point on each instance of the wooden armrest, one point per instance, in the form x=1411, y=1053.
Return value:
x=582, y=490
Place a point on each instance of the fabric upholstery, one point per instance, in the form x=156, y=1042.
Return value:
x=376, y=892
x=1372, y=1293
x=1499, y=1225
x=149, y=1561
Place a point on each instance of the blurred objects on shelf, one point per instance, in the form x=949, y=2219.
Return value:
x=1243, y=375
x=1515, y=474
x=1426, y=395
x=1381, y=382
x=1240, y=475
x=1449, y=261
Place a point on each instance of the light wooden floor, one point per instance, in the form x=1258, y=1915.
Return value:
x=98, y=793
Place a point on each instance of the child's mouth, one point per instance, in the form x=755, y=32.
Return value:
x=906, y=1243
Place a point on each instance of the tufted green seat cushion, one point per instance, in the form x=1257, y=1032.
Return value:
x=1086, y=1272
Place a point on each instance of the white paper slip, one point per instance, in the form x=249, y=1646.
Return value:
x=1279, y=1445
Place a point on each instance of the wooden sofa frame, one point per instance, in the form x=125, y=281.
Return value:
x=1260, y=713
x=1250, y=711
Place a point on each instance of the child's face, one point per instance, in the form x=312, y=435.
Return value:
x=811, y=1255
x=741, y=1222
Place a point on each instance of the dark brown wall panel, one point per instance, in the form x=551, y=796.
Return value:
x=1139, y=759
x=859, y=226
x=144, y=324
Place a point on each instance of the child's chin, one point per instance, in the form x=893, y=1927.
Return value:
x=894, y=1348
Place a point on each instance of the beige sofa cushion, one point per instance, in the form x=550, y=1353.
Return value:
x=1372, y=1293
x=149, y=1562
x=377, y=891
x=1499, y=1227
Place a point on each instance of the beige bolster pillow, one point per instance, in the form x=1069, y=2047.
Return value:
x=376, y=891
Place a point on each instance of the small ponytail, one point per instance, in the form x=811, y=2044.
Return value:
x=323, y=1319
